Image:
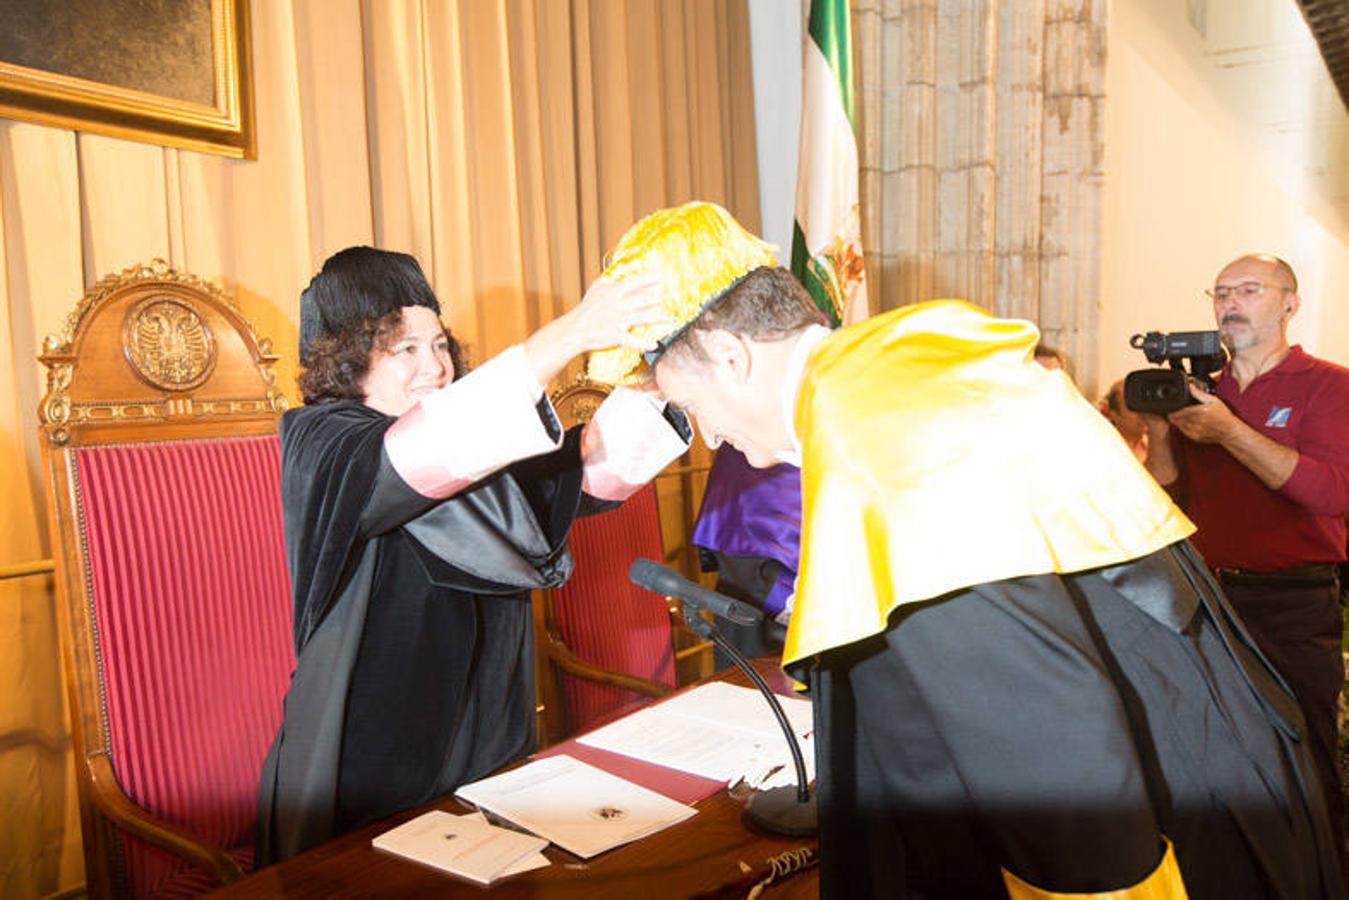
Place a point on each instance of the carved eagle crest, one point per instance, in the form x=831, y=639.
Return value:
x=169, y=344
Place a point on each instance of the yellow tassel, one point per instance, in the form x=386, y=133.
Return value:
x=1163, y=884
x=699, y=249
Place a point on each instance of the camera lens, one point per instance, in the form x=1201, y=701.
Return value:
x=1159, y=392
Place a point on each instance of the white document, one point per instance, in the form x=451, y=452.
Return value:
x=528, y=863
x=462, y=845
x=576, y=806
x=719, y=731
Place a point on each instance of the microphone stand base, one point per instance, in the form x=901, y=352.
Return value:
x=779, y=811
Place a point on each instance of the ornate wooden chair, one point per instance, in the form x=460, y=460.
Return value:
x=604, y=643
x=158, y=432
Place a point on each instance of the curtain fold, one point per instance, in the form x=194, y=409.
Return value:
x=506, y=144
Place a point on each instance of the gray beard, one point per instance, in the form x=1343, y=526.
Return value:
x=1233, y=340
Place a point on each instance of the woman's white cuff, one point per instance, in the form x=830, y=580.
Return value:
x=627, y=443
x=490, y=418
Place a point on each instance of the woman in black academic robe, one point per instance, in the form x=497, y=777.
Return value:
x=421, y=506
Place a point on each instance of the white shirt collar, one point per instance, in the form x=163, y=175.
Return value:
x=791, y=386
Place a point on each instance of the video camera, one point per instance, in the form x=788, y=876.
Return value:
x=1162, y=391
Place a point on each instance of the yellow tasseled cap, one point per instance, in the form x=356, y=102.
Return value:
x=700, y=250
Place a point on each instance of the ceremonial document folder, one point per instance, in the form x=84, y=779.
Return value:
x=578, y=807
x=718, y=731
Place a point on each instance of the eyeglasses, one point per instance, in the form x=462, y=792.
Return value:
x=1247, y=290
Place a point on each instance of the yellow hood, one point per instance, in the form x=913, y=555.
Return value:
x=938, y=455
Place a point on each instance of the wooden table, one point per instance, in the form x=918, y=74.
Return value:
x=700, y=854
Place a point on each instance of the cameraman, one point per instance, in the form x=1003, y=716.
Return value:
x=1262, y=469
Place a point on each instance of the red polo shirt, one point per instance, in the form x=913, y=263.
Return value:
x=1303, y=403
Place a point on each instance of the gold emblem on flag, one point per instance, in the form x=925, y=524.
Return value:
x=844, y=262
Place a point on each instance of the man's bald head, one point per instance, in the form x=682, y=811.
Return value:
x=1278, y=270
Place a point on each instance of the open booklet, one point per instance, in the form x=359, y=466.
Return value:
x=464, y=845
x=717, y=730
x=578, y=807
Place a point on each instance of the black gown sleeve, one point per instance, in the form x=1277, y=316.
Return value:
x=330, y=459
x=339, y=489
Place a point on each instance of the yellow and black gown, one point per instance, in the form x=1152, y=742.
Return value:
x=1025, y=682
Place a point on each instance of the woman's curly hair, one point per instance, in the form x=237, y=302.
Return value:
x=335, y=366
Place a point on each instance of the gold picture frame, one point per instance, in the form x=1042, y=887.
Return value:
x=134, y=111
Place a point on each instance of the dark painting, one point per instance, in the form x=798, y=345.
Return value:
x=161, y=47
x=173, y=72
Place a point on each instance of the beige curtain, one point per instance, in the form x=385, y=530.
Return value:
x=982, y=143
x=506, y=144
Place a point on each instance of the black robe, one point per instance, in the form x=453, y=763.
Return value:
x=413, y=634
x=1054, y=726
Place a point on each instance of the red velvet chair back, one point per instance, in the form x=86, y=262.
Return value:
x=163, y=473
x=604, y=618
x=189, y=586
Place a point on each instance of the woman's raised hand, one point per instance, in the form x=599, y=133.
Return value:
x=604, y=318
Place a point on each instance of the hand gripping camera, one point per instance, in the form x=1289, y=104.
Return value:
x=1162, y=391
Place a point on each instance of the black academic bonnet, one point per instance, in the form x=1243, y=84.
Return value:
x=360, y=284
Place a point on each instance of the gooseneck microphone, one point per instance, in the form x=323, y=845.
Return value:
x=663, y=580
x=783, y=810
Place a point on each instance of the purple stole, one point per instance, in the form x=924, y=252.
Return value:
x=753, y=512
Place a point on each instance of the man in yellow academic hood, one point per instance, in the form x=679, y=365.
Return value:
x=1025, y=682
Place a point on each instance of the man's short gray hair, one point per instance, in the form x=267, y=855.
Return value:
x=768, y=304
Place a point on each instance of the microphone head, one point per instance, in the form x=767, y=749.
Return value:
x=659, y=579
x=649, y=574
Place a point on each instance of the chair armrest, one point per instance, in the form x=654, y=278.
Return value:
x=113, y=803
x=562, y=656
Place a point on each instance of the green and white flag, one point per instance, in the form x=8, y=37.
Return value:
x=827, y=240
